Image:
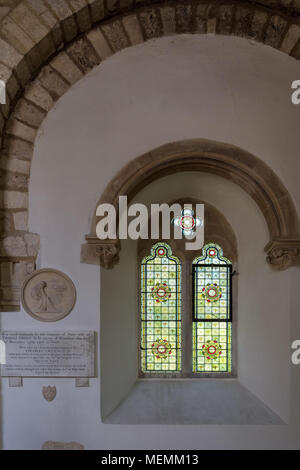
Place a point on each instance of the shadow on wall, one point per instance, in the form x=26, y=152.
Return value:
x=118, y=329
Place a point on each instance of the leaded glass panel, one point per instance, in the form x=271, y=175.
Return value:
x=212, y=311
x=161, y=311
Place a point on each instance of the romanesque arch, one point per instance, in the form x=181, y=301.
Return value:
x=231, y=162
x=46, y=46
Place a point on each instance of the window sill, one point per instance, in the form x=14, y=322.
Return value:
x=190, y=401
x=192, y=375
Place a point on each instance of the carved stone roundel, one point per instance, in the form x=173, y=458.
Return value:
x=48, y=295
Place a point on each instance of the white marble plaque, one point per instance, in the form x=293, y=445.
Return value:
x=48, y=354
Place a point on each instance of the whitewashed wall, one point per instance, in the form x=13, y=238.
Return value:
x=176, y=88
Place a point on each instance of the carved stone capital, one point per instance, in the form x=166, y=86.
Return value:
x=103, y=252
x=283, y=253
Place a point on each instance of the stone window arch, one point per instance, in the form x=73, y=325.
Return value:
x=121, y=397
x=231, y=162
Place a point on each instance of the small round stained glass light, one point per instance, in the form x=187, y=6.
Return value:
x=161, y=252
x=212, y=349
x=161, y=349
x=187, y=222
x=211, y=293
x=161, y=292
x=212, y=253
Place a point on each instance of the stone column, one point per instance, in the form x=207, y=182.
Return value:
x=17, y=259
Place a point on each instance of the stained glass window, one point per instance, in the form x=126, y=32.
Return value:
x=161, y=311
x=212, y=311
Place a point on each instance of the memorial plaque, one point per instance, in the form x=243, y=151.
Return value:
x=48, y=354
x=48, y=295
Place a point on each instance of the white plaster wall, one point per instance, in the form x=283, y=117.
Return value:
x=176, y=88
x=119, y=329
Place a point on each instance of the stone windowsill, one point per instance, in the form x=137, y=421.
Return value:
x=190, y=401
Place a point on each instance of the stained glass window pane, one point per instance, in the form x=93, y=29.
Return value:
x=212, y=311
x=211, y=347
x=161, y=311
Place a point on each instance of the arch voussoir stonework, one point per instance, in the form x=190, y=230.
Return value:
x=47, y=46
x=228, y=161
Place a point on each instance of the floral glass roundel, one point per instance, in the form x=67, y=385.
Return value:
x=212, y=292
x=161, y=349
x=187, y=222
x=161, y=292
x=211, y=349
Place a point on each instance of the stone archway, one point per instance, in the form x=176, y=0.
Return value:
x=45, y=47
x=231, y=162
